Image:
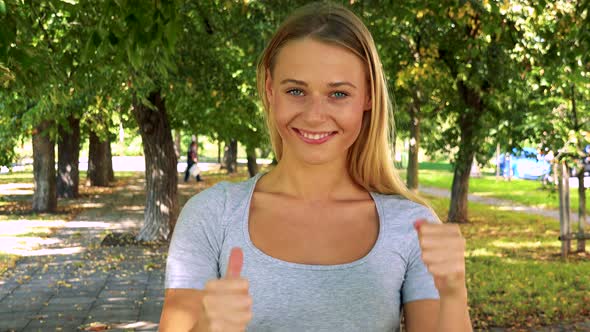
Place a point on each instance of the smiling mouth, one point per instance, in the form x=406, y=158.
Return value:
x=316, y=136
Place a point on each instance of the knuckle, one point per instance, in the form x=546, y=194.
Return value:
x=206, y=300
x=246, y=318
x=244, y=284
x=211, y=284
x=248, y=303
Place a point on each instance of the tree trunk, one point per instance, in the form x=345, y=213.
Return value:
x=508, y=165
x=564, y=209
x=177, y=143
x=498, y=162
x=458, y=211
x=252, y=165
x=219, y=151
x=111, y=172
x=45, y=195
x=581, y=188
x=415, y=117
x=68, y=155
x=98, y=161
x=581, y=210
x=230, y=156
x=161, y=208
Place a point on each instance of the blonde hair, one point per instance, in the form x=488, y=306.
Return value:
x=369, y=158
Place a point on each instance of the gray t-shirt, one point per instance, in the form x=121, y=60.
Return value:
x=364, y=295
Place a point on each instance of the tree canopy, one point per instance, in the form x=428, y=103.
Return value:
x=465, y=75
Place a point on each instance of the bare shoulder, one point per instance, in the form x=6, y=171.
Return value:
x=181, y=309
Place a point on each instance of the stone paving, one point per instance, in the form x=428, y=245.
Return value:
x=77, y=284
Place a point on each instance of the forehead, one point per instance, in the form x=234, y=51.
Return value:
x=311, y=60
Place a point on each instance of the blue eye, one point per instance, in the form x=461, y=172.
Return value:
x=340, y=94
x=295, y=92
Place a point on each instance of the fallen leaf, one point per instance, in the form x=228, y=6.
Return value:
x=96, y=326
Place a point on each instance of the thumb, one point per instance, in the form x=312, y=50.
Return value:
x=418, y=223
x=236, y=261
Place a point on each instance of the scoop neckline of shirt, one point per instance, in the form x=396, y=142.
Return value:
x=246, y=233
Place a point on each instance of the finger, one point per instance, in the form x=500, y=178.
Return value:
x=452, y=271
x=418, y=224
x=449, y=258
x=224, y=326
x=236, y=261
x=219, y=305
x=240, y=319
x=428, y=229
x=443, y=244
x=236, y=285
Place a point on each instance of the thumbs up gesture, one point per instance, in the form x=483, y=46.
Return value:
x=443, y=253
x=227, y=304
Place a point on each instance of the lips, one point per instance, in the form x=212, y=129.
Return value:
x=314, y=137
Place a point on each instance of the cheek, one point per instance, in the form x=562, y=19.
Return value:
x=355, y=114
x=280, y=114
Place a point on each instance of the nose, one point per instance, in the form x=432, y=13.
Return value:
x=315, y=112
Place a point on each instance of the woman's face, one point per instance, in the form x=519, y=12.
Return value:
x=318, y=93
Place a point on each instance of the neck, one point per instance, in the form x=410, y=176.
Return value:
x=313, y=183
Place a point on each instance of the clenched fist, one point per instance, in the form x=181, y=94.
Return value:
x=227, y=304
x=443, y=253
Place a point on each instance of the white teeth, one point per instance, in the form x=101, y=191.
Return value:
x=314, y=136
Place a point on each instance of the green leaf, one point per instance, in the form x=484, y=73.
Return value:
x=113, y=39
x=96, y=39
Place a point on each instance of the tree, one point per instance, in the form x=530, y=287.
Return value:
x=30, y=54
x=45, y=195
x=403, y=33
x=68, y=146
x=39, y=51
x=476, y=45
x=560, y=44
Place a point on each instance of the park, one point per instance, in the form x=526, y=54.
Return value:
x=101, y=100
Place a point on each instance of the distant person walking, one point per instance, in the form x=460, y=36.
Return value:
x=191, y=163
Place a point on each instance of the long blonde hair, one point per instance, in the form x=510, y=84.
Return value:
x=369, y=158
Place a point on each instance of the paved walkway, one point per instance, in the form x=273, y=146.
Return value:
x=76, y=282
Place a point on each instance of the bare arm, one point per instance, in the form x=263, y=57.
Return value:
x=443, y=253
x=434, y=315
x=181, y=310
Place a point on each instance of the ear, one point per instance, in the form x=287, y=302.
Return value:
x=368, y=105
x=268, y=85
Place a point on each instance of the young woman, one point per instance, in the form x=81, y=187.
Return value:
x=330, y=239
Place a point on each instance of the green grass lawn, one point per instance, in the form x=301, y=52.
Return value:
x=525, y=192
x=515, y=275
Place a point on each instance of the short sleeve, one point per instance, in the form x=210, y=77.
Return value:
x=193, y=256
x=418, y=282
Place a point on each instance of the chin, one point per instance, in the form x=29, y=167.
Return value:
x=317, y=159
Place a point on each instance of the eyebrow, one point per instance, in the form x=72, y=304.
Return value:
x=333, y=84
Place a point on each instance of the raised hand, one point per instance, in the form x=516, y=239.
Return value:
x=227, y=304
x=443, y=253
